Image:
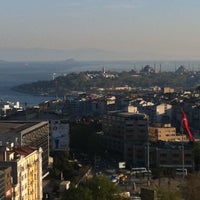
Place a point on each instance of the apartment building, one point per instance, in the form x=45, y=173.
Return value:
x=166, y=90
x=171, y=155
x=159, y=113
x=125, y=135
x=35, y=134
x=164, y=132
x=26, y=164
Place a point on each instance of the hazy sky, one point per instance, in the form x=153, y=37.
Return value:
x=138, y=29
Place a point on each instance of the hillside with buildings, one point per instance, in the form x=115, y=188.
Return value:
x=102, y=80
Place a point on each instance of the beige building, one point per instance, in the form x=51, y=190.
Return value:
x=163, y=112
x=164, y=132
x=26, y=164
x=168, y=90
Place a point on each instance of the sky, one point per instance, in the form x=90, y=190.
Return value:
x=100, y=29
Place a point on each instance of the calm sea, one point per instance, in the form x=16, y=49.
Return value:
x=15, y=73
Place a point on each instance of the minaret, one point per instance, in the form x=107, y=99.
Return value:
x=104, y=70
x=154, y=67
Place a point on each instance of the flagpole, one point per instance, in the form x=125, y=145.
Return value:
x=183, y=159
x=148, y=182
x=182, y=148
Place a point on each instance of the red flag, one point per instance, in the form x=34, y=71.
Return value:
x=186, y=126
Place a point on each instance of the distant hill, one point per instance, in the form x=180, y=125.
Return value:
x=2, y=61
x=88, y=80
x=40, y=54
x=69, y=60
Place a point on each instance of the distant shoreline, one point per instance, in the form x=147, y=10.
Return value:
x=16, y=73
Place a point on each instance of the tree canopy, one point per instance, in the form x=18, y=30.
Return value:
x=98, y=188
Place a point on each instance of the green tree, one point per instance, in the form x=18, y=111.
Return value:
x=196, y=153
x=62, y=165
x=83, y=137
x=191, y=188
x=164, y=194
x=77, y=194
x=98, y=188
x=158, y=174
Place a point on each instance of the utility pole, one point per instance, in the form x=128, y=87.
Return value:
x=183, y=158
x=148, y=181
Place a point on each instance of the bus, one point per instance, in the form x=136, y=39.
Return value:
x=181, y=172
x=140, y=170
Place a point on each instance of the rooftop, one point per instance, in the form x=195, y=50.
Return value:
x=24, y=150
x=2, y=168
x=128, y=114
x=15, y=126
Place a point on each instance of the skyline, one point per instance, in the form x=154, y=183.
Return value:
x=99, y=30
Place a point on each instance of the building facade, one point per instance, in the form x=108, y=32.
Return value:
x=26, y=164
x=168, y=90
x=164, y=132
x=171, y=155
x=5, y=183
x=59, y=135
x=158, y=113
x=35, y=134
x=126, y=135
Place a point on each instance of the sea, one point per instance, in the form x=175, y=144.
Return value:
x=16, y=73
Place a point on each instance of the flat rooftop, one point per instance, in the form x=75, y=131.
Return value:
x=24, y=150
x=128, y=114
x=13, y=127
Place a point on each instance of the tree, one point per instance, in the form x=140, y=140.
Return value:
x=80, y=81
x=62, y=165
x=158, y=174
x=196, y=153
x=165, y=194
x=98, y=188
x=77, y=194
x=191, y=188
x=83, y=137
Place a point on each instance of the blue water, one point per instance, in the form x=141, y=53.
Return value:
x=15, y=73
